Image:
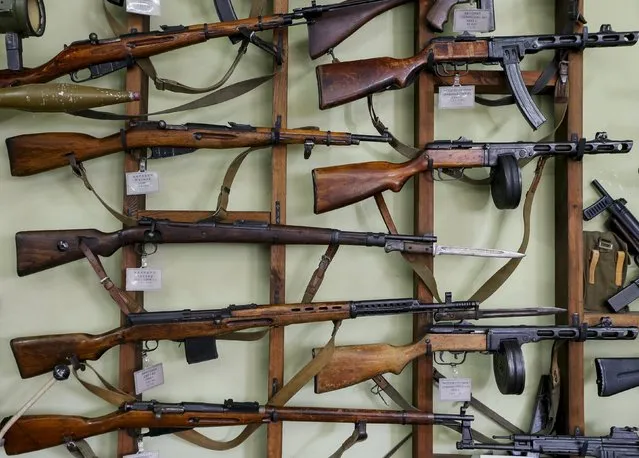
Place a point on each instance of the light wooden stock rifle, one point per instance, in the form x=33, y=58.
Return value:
x=354, y=364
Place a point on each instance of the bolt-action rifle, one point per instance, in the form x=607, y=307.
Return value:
x=344, y=82
x=342, y=185
x=42, y=250
x=354, y=364
x=37, y=432
x=34, y=153
x=620, y=443
x=93, y=58
x=198, y=329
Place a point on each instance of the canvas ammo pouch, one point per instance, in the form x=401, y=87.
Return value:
x=606, y=262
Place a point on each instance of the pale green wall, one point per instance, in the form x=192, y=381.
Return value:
x=69, y=299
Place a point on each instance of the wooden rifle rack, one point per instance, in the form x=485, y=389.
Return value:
x=135, y=206
x=568, y=224
x=569, y=189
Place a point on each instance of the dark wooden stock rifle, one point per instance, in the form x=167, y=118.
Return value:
x=41, y=250
x=344, y=82
x=354, y=364
x=328, y=25
x=342, y=185
x=35, y=153
x=198, y=329
x=37, y=432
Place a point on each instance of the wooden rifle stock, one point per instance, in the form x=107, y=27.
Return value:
x=333, y=27
x=354, y=364
x=34, y=153
x=344, y=82
x=342, y=185
x=37, y=432
x=41, y=250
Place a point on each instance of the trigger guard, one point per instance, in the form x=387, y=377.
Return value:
x=509, y=368
x=505, y=183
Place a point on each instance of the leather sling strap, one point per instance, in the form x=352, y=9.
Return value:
x=405, y=150
x=123, y=300
x=318, y=276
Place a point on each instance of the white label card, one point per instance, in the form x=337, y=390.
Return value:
x=455, y=389
x=144, y=455
x=143, y=279
x=148, y=378
x=456, y=97
x=146, y=7
x=471, y=20
x=138, y=183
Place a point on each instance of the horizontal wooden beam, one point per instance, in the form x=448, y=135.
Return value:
x=618, y=319
x=195, y=216
x=492, y=81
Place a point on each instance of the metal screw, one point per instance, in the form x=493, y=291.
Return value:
x=63, y=245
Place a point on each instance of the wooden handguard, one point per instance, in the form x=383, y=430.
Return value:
x=343, y=82
x=339, y=186
x=35, y=153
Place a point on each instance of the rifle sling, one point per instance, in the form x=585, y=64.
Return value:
x=122, y=299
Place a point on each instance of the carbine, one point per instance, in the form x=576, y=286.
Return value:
x=342, y=185
x=621, y=443
x=354, y=364
x=344, y=82
x=37, y=432
x=42, y=250
x=198, y=328
x=102, y=57
x=34, y=153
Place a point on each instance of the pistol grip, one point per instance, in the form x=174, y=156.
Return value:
x=525, y=103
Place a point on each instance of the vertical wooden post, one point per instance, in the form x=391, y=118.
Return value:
x=424, y=223
x=568, y=238
x=130, y=355
x=278, y=216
